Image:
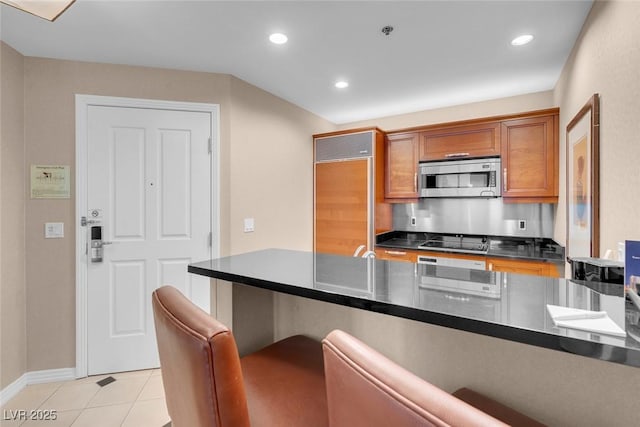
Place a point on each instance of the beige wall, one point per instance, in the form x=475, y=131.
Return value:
x=272, y=177
x=13, y=334
x=605, y=60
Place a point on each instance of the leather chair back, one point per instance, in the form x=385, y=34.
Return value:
x=366, y=389
x=200, y=365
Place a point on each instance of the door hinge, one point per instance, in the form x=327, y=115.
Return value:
x=210, y=145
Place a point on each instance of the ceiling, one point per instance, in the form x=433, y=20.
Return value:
x=440, y=53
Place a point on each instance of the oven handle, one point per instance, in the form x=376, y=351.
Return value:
x=427, y=260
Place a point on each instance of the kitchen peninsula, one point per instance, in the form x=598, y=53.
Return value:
x=503, y=305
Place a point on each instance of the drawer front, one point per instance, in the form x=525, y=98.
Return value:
x=397, y=254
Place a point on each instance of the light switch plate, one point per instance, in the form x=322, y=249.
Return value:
x=54, y=230
x=249, y=225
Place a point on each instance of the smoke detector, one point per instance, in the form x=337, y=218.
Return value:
x=386, y=30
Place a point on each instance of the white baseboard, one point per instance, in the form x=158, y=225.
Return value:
x=35, y=377
x=12, y=389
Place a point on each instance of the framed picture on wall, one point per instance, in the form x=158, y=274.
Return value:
x=583, y=229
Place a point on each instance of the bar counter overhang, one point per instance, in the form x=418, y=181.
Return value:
x=502, y=305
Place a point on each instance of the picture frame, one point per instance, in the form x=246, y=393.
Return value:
x=582, y=190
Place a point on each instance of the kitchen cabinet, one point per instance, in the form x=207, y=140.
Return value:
x=349, y=207
x=401, y=172
x=537, y=268
x=461, y=141
x=505, y=265
x=393, y=254
x=529, y=156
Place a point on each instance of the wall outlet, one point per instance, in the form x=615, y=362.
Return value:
x=413, y=221
x=249, y=225
x=522, y=224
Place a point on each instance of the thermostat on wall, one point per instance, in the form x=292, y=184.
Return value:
x=53, y=230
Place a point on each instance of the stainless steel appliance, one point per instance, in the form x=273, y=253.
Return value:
x=458, y=275
x=456, y=243
x=348, y=192
x=597, y=270
x=460, y=287
x=461, y=178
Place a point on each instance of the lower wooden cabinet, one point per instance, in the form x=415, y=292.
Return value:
x=523, y=267
x=506, y=265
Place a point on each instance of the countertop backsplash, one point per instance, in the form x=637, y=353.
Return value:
x=476, y=216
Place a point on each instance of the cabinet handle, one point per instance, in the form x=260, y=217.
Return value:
x=396, y=253
x=504, y=180
x=456, y=155
x=415, y=182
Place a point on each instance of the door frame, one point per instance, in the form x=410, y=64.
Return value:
x=83, y=102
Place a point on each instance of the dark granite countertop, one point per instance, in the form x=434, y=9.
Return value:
x=504, y=305
x=525, y=248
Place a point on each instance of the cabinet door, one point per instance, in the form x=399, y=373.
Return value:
x=401, y=172
x=479, y=140
x=341, y=206
x=530, y=158
x=521, y=267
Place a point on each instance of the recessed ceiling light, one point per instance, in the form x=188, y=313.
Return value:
x=521, y=40
x=342, y=84
x=278, y=38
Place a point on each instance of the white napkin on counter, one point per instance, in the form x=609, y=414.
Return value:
x=597, y=322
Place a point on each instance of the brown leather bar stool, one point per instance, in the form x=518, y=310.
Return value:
x=206, y=383
x=365, y=389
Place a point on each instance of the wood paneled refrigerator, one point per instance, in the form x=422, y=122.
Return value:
x=349, y=206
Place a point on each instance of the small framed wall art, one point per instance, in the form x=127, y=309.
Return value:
x=583, y=228
x=50, y=182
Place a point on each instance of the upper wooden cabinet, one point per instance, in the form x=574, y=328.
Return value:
x=401, y=177
x=530, y=159
x=461, y=141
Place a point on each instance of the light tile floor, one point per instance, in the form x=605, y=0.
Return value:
x=135, y=399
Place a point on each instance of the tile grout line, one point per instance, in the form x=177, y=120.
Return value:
x=136, y=400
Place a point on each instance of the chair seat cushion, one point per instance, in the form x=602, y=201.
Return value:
x=495, y=409
x=285, y=384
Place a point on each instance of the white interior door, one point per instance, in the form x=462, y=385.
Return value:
x=149, y=189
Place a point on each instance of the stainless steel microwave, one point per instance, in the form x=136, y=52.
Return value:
x=461, y=178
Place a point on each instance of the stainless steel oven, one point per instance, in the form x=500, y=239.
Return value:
x=461, y=178
x=458, y=275
x=461, y=287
